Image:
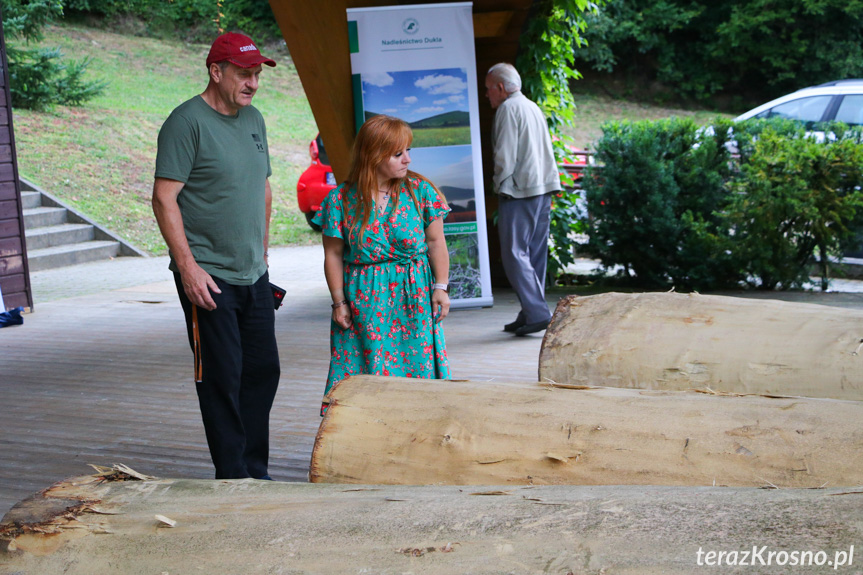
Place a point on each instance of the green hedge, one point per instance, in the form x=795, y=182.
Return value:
x=677, y=205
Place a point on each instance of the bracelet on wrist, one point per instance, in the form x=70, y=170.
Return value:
x=443, y=287
x=339, y=304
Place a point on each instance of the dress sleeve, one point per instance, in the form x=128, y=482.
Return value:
x=331, y=215
x=431, y=205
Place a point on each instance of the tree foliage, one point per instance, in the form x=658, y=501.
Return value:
x=190, y=20
x=41, y=77
x=701, y=48
x=795, y=197
x=546, y=64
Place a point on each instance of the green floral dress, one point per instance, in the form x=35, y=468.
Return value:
x=388, y=285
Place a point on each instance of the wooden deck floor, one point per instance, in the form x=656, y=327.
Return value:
x=105, y=379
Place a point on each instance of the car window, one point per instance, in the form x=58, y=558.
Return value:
x=851, y=110
x=322, y=152
x=804, y=109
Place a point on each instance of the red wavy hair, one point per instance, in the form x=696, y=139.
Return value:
x=379, y=138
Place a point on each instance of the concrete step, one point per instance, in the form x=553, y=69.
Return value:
x=49, y=236
x=30, y=200
x=72, y=254
x=41, y=217
x=58, y=235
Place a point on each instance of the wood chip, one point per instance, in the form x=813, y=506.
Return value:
x=119, y=472
x=165, y=521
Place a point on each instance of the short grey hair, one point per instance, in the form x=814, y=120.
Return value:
x=507, y=74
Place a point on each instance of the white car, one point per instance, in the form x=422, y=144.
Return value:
x=841, y=100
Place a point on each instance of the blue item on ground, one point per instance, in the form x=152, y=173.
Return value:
x=11, y=317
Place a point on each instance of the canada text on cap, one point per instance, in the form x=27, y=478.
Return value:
x=236, y=49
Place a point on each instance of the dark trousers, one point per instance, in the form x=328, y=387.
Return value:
x=237, y=373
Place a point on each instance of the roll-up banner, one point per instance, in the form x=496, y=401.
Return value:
x=417, y=63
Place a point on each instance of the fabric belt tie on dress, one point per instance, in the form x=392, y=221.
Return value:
x=411, y=285
x=415, y=294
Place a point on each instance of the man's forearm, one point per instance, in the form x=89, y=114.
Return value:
x=170, y=220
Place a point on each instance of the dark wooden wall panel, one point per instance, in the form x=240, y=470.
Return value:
x=8, y=191
x=10, y=247
x=8, y=210
x=9, y=228
x=14, y=283
x=15, y=299
x=7, y=171
x=10, y=266
x=14, y=271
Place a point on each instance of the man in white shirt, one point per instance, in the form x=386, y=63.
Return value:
x=525, y=177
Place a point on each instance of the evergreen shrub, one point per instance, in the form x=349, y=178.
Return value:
x=654, y=198
x=41, y=77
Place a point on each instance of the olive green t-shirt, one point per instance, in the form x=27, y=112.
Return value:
x=224, y=163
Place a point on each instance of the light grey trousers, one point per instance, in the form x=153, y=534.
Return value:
x=523, y=226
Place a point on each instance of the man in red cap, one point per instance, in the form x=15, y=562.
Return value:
x=212, y=199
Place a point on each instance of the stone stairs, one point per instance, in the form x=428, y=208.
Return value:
x=58, y=236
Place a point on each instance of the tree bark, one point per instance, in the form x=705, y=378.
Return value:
x=266, y=527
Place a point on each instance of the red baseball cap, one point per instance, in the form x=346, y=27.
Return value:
x=236, y=49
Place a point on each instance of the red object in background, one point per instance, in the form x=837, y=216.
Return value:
x=575, y=162
x=316, y=182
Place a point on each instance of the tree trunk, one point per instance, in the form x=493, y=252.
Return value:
x=677, y=342
x=410, y=431
x=265, y=527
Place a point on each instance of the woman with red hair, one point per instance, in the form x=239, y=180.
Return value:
x=386, y=262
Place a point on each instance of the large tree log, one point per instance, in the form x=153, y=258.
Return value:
x=677, y=341
x=262, y=527
x=412, y=431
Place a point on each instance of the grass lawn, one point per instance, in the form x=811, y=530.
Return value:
x=100, y=157
x=592, y=110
